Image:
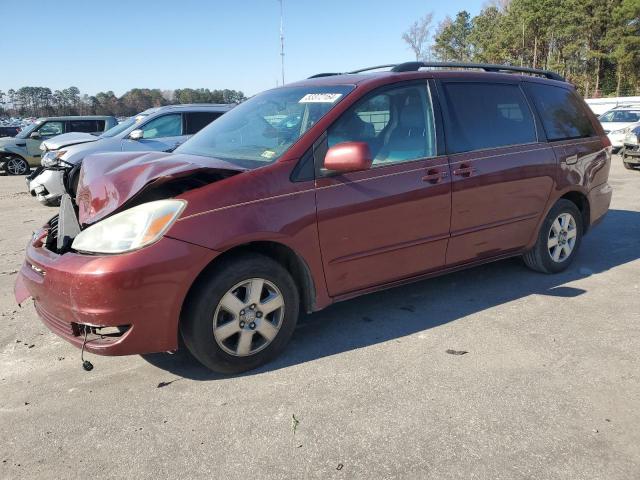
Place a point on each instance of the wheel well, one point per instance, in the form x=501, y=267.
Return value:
x=582, y=202
x=286, y=257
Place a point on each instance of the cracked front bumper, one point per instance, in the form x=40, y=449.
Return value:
x=142, y=292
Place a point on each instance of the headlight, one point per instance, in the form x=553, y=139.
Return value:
x=52, y=158
x=631, y=139
x=622, y=130
x=130, y=230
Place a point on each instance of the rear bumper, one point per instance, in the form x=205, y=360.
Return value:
x=141, y=291
x=599, y=201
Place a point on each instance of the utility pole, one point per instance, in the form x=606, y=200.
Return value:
x=282, y=38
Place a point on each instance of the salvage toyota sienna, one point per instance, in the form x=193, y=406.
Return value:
x=312, y=193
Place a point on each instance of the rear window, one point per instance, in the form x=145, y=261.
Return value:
x=196, y=121
x=483, y=115
x=562, y=112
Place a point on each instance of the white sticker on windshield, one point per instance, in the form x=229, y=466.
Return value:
x=320, y=98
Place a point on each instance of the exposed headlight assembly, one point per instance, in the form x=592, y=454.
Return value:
x=130, y=230
x=52, y=158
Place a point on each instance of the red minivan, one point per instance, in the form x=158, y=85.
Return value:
x=312, y=193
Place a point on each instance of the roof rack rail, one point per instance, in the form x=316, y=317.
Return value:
x=329, y=74
x=487, y=67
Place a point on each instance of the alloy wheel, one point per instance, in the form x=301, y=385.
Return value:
x=248, y=317
x=562, y=237
x=16, y=166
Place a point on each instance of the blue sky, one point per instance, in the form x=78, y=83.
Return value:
x=118, y=45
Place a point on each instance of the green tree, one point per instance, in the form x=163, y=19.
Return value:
x=452, y=39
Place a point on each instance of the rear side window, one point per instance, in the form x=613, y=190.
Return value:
x=196, y=121
x=562, y=113
x=85, y=126
x=483, y=115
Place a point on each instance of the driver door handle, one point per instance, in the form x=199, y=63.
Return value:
x=434, y=175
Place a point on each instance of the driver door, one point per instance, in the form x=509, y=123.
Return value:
x=389, y=222
x=159, y=134
x=46, y=131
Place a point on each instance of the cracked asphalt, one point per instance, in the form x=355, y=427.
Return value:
x=549, y=387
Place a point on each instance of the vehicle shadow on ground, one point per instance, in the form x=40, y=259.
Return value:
x=426, y=304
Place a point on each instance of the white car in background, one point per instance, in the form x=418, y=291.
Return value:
x=618, y=122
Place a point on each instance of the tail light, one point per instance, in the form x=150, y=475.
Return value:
x=606, y=142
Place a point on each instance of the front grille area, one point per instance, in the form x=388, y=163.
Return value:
x=52, y=235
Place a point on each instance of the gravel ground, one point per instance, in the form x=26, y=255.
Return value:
x=549, y=388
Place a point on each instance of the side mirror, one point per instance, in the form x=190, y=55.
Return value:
x=136, y=134
x=35, y=135
x=348, y=157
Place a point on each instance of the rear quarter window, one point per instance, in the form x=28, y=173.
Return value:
x=84, y=126
x=561, y=111
x=196, y=121
x=485, y=115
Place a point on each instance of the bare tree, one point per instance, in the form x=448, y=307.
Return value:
x=417, y=36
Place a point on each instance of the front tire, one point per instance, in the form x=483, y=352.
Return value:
x=241, y=314
x=558, y=239
x=16, y=166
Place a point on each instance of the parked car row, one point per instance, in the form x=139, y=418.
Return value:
x=158, y=129
x=309, y=194
x=618, y=122
x=19, y=154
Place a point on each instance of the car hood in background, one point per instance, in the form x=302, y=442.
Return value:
x=109, y=180
x=67, y=139
x=11, y=142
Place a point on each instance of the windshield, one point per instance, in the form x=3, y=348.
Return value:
x=620, y=116
x=258, y=131
x=121, y=127
x=27, y=131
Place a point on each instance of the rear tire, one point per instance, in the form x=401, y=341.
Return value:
x=228, y=322
x=558, y=239
x=16, y=165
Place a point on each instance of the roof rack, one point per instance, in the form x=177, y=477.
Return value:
x=329, y=74
x=487, y=67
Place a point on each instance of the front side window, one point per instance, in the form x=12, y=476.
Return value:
x=165, y=126
x=397, y=124
x=259, y=131
x=562, y=112
x=49, y=129
x=485, y=115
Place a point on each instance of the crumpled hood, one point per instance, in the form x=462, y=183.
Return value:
x=67, y=139
x=109, y=180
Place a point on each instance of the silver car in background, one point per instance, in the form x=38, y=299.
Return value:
x=156, y=129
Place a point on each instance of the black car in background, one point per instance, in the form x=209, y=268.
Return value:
x=9, y=131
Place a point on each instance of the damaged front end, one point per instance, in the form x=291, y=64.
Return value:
x=102, y=274
x=135, y=193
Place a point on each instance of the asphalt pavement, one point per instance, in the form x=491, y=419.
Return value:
x=549, y=387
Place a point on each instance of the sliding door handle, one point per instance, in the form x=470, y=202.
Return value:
x=464, y=171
